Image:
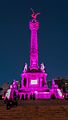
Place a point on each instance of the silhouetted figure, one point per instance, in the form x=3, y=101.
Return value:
x=15, y=98
x=10, y=97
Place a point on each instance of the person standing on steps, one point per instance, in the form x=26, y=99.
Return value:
x=8, y=97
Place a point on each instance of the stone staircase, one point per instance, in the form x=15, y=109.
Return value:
x=36, y=110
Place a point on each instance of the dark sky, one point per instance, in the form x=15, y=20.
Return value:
x=15, y=37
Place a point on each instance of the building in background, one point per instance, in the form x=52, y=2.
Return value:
x=62, y=83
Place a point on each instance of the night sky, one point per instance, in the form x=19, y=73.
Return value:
x=15, y=37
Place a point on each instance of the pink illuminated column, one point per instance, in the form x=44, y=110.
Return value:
x=34, y=25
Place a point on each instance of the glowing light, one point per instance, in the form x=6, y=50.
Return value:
x=59, y=92
x=34, y=82
x=3, y=97
x=7, y=95
x=36, y=92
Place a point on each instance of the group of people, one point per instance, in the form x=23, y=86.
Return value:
x=11, y=95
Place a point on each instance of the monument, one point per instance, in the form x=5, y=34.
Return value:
x=33, y=83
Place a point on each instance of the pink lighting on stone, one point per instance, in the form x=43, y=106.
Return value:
x=34, y=25
x=33, y=83
x=59, y=92
x=34, y=76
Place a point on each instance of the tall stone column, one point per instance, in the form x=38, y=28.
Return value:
x=34, y=25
